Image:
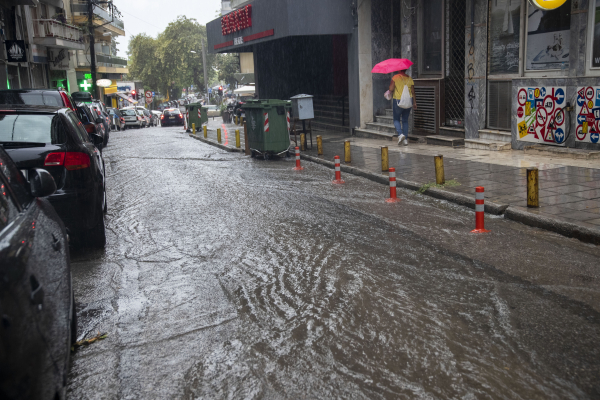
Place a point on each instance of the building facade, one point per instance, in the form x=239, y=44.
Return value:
x=46, y=45
x=489, y=74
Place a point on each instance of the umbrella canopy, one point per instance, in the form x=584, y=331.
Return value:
x=391, y=65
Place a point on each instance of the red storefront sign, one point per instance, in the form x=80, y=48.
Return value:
x=237, y=20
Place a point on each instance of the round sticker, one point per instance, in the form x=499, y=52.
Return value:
x=536, y=93
x=579, y=133
x=548, y=4
x=541, y=116
x=520, y=112
x=590, y=104
x=559, y=136
x=549, y=104
x=589, y=93
x=522, y=97
x=559, y=117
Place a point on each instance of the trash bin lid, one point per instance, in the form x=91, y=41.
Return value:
x=267, y=103
x=302, y=96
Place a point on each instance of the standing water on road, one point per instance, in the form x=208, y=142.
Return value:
x=228, y=277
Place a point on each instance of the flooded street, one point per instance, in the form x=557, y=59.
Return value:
x=230, y=277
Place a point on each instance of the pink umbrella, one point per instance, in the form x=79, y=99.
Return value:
x=391, y=65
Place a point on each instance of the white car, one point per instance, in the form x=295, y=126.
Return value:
x=132, y=118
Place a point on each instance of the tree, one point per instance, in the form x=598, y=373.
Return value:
x=228, y=64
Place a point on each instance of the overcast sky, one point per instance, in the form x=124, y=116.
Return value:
x=153, y=16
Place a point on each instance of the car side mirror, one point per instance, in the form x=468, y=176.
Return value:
x=96, y=139
x=41, y=183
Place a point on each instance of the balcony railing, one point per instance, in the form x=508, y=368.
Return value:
x=81, y=7
x=43, y=28
x=102, y=60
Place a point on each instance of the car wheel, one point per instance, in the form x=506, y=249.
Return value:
x=96, y=236
x=73, y=322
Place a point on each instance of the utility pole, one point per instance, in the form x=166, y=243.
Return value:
x=92, y=47
x=204, y=65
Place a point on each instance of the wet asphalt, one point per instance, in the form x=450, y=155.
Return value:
x=231, y=277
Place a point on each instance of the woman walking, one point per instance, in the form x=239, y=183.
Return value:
x=402, y=86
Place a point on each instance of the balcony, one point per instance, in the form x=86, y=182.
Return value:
x=79, y=10
x=52, y=33
x=105, y=63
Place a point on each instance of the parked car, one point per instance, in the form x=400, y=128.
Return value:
x=55, y=139
x=91, y=122
x=171, y=116
x=37, y=307
x=97, y=110
x=117, y=120
x=37, y=97
x=156, y=117
x=132, y=118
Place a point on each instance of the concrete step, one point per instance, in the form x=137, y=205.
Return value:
x=441, y=140
x=374, y=134
x=485, y=144
x=454, y=132
x=496, y=136
x=563, y=151
x=378, y=126
x=389, y=112
x=384, y=119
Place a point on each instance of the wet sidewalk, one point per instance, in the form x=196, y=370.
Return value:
x=569, y=188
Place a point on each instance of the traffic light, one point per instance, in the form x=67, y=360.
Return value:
x=133, y=94
x=220, y=90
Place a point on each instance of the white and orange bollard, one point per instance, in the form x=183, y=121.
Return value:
x=479, y=211
x=298, y=166
x=393, y=198
x=338, y=171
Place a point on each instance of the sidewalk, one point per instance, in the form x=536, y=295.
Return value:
x=569, y=188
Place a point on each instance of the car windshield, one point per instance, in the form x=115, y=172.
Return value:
x=172, y=112
x=33, y=128
x=129, y=113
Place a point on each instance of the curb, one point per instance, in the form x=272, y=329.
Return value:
x=564, y=228
x=221, y=146
x=567, y=229
x=460, y=199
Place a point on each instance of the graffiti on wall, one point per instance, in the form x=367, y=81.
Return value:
x=588, y=114
x=541, y=115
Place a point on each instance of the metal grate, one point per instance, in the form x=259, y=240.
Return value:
x=499, y=104
x=454, y=81
x=424, y=117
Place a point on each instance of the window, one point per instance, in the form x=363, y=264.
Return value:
x=431, y=40
x=548, y=38
x=32, y=128
x=78, y=127
x=594, y=23
x=499, y=103
x=504, y=36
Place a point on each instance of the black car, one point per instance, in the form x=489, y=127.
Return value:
x=171, y=116
x=91, y=123
x=55, y=139
x=37, y=309
x=37, y=97
x=98, y=113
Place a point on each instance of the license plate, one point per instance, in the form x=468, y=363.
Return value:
x=171, y=117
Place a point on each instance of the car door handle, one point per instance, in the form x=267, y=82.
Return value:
x=37, y=292
x=55, y=243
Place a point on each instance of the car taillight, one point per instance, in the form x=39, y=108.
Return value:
x=74, y=160
x=53, y=159
x=90, y=128
x=68, y=103
x=162, y=117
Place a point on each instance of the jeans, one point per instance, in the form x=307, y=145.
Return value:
x=401, y=114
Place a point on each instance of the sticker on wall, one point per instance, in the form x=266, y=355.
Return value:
x=543, y=117
x=588, y=114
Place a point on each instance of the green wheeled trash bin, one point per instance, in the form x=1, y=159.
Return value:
x=268, y=127
x=195, y=117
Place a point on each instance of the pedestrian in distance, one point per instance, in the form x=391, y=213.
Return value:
x=402, y=87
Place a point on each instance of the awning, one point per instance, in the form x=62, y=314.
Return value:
x=245, y=90
x=124, y=97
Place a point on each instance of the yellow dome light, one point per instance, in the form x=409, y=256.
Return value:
x=548, y=4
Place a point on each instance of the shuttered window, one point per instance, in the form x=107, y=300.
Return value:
x=499, y=93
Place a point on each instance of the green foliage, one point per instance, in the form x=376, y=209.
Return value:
x=166, y=63
x=423, y=189
x=228, y=64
